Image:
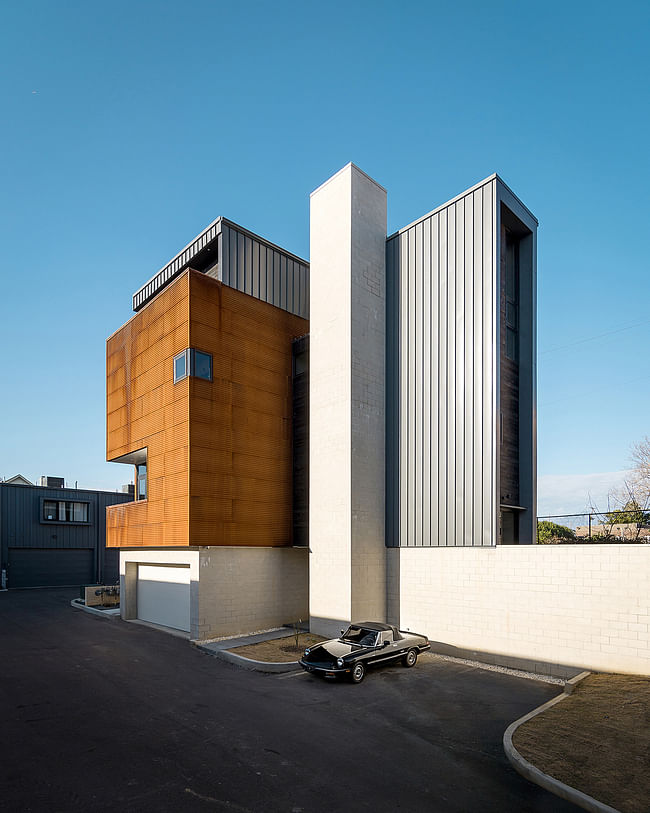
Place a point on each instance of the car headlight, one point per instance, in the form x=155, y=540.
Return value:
x=340, y=662
x=307, y=651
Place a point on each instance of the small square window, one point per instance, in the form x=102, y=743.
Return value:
x=202, y=365
x=180, y=366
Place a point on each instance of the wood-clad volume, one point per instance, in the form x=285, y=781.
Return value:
x=219, y=452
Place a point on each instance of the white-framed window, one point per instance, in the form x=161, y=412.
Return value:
x=192, y=362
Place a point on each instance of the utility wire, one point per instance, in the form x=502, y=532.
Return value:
x=594, y=338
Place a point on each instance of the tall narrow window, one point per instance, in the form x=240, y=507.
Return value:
x=141, y=481
x=512, y=298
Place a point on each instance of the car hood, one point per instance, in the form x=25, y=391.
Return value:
x=333, y=649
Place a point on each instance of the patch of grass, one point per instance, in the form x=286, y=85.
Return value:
x=280, y=650
x=597, y=740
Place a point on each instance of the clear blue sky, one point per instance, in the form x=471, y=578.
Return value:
x=128, y=127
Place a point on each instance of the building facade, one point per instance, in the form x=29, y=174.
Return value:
x=55, y=536
x=297, y=428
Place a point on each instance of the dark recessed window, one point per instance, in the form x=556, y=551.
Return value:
x=65, y=511
x=202, y=366
x=192, y=362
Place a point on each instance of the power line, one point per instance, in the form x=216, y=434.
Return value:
x=594, y=338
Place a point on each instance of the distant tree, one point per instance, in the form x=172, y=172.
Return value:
x=550, y=533
x=631, y=512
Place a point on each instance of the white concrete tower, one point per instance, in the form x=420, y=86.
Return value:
x=347, y=395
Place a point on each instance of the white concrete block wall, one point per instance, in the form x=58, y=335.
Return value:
x=585, y=606
x=330, y=396
x=245, y=590
x=347, y=347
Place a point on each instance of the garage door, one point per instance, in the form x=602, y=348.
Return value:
x=164, y=595
x=50, y=567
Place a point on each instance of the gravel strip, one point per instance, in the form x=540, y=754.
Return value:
x=502, y=669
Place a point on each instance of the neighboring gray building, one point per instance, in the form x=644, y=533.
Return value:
x=51, y=537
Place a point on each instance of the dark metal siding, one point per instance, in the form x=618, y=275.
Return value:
x=259, y=269
x=50, y=567
x=241, y=260
x=300, y=442
x=22, y=526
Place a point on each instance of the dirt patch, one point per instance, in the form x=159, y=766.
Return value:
x=280, y=650
x=597, y=741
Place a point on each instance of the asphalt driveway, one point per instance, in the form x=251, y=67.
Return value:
x=99, y=714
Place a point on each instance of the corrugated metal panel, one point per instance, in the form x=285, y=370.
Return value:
x=245, y=262
x=263, y=271
x=441, y=360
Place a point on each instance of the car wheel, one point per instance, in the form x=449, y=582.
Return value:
x=358, y=673
x=410, y=659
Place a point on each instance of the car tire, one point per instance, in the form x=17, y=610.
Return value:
x=358, y=673
x=410, y=659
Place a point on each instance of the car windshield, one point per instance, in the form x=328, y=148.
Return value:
x=359, y=635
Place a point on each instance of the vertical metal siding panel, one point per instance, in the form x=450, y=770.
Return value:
x=488, y=366
x=468, y=407
x=293, y=279
x=412, y=375
x=304, y=292
x=248, y=265
x=434, y=507
x=403, y=388
x=262, y=281
x=389, y=396
x=443, y=388
x=256, y=268
x=232, y=281
x=307, y=288
x=451, y=375
x=477, y=488
x=417, y=275
x=241, y=271
x=459, y=538
x=276, y=280
x=426, y=382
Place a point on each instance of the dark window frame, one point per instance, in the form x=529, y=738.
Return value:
x=57, y=521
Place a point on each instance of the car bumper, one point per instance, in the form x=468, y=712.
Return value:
x=324, y=671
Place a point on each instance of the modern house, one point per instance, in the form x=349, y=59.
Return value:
x=299, y=430
x=52, y=536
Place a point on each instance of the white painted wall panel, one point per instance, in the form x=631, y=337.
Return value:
x=163, y=595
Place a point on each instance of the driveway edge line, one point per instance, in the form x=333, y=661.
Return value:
x=533, y=774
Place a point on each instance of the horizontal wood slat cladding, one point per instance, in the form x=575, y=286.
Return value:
x=146, y=409
x=240, y=454
x=219, y=464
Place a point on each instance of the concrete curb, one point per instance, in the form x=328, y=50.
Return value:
x=219, y=649
x=114, y=612
x=247, y=663
x=533, y=774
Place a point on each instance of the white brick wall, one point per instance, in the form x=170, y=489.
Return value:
x=585, y=606
x=346, y=433
x=249, y=589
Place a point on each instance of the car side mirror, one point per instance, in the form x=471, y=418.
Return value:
x=386, y=643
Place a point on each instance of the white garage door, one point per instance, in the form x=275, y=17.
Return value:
x=164, y=596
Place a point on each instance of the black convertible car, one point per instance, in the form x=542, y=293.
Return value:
x=360, y=646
